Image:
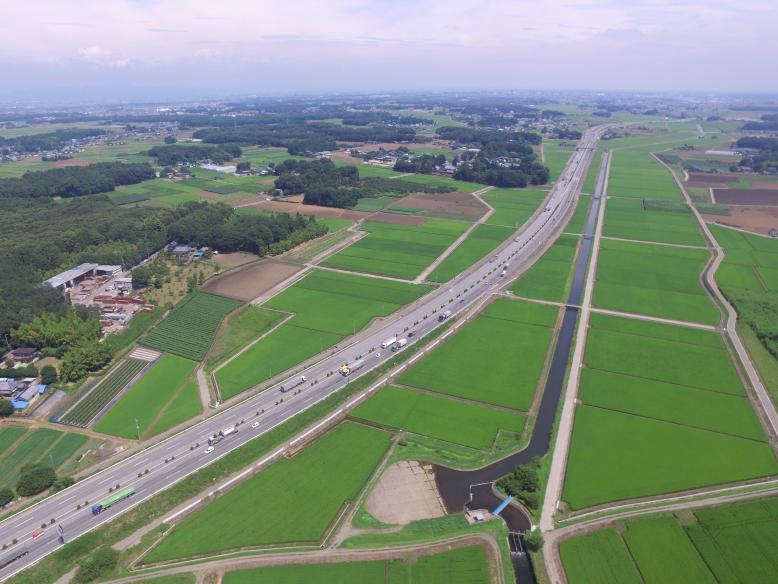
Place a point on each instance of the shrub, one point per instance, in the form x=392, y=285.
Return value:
x=48, y=375
x=34, y=479
x=62, y=483
x=92, y=567
x=6, y=496
x=6, y=409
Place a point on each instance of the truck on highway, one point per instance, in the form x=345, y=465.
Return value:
x=98, y=508
x=347, y=369
x=389, y=342
x=7, y=558
x=216, y=438
x=444, y=315
x=399, y=344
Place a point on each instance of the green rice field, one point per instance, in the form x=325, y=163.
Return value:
x=577, y=222
x=750, y=261
x=398, y=250
x=351, y=302
x=636, y=174
x=480, y=243
x=512, y=207
x=647, y=220
x=148, y=398
x=189, y=329
x=723, y=544
x=278, y=506
x=240, y=328
x=557, y=153
x=459, y=566
x=20, y=446
x=661, y=410
x=653, y=280
x=451, y=420
x=548, y=278
x=496, y=359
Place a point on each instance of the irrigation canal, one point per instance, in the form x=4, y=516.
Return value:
x=474, y=489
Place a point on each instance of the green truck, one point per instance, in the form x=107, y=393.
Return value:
x=118, y=497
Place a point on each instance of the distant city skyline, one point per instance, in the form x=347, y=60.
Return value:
x=150, y=48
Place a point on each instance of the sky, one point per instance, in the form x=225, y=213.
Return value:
x=73, y=49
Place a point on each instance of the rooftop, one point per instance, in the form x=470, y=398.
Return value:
x=68, y=275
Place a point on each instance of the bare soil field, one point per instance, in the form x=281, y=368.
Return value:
x=71, y=162
x=399, y=219
x=449, y=203
x=315, y=210
x=405, y=492
x=706, y=178
x=249, y=282
x=234, y=259
x=752, y=218
x=746, y=196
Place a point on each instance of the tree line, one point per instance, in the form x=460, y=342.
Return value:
x=75, y=181
x=766, y=159
x=48, y=140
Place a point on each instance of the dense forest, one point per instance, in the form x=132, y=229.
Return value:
x=42, y=237
x=171, y=154
x=74, y=181
x=325, y=184
x=48, y=140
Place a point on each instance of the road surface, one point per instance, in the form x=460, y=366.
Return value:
x=174, y=458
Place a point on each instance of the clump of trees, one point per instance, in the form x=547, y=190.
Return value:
x=766, y=159
x=520, y=174
x=75, y=181
x=6, y=496
x=97, y=564
x=524, y=483
x=49, y=140
x=325, y=184
x=34, y=479
x=6, y=409
x=171, y=154
x=422, y=164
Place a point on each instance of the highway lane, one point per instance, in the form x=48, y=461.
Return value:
x=173, y=459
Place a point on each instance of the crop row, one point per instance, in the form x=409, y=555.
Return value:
x=91, y=404
x=188, y=331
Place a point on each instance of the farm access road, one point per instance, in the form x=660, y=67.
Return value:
x=178, y=456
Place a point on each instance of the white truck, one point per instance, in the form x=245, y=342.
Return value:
x=347, y=369
x=444, y=315
x=399, y=344
x=389, y=342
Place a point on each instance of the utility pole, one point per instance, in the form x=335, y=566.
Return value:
x=137, y=428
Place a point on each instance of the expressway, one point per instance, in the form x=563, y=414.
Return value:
x=176, y=457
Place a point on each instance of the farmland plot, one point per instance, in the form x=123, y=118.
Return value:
x=636, y=174
x=496, y=359
x=653, y=280
x=327, y=307
x=598, y=558
x=647, y=220
x=140, y=406
x=398, y=250
x=662, y=410
x=277, y=506
x=480, y=243
x=189, y=329
x=548, y=278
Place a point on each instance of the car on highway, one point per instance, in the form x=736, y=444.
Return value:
x=255, y=425
x=208, y=450
x=410, y=334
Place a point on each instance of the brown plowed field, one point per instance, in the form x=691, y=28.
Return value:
x=754, y=219
x=746, y=196
x=398, y=218
x=449, y=203
x=249, y=282
x=234, y=259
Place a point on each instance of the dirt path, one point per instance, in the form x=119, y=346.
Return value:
x=407, y=552
x=686, y=246
x=365, y=274
x=765, y=402
x=450, y=249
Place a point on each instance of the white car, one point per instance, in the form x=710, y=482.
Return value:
x=208, y=450
x=255, y=425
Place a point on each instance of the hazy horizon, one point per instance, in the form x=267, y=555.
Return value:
x=147, y=49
